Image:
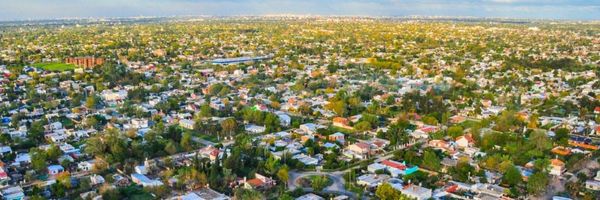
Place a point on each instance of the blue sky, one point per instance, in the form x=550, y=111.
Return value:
x=538, y=9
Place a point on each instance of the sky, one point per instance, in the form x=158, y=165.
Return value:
x=534, y=9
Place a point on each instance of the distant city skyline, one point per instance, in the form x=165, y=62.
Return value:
x=533, y=9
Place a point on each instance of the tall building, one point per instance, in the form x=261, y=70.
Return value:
x=86, y=62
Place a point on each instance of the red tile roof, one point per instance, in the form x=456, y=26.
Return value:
x=255, y=182
x=393, y=164
x=362, y=145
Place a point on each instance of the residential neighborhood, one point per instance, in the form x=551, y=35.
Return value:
x=303, y=108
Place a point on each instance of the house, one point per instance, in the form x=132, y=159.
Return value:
x=144, y=181
x=284, y=119
x=3, y=175
x=109, y=95
x=414, y=191
x=375, y=168
x=464, y=141
x=419, y=134
x=305, y=159
x=310, y=196
x=397, y=168
x=86, y=165
x=440, y=144
x=371, y=180
x=18, y=134
x=202, y=194
x=378, y=143
x=251, y=128
x=259, y=182
x=22, y=158
x=342, y=123
x=457, y=119
x=557, y=167
x=141, y=169
x=186, y=123
x=5, y=150
x=358, y=150
x=139, y=123
x=338, y=137
x=12, y=193
x=96, y=179
x=56, y=137
x=594, y=184
x=309, y=128
x=210, y=152
x=55, y=169
x=488, y=191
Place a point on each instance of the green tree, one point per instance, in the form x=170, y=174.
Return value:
x=171, y=147
x=91, y=102
x=53, y=152
x=38, y=159
x=512, y=176
x=95, y=146
x=540, y=141
x=283, y=174
x=431, y=160
x=64, y=178
x=248, y=194
x=455, y=131
x=318, y=183
x=186, y=141
x=562, y=136
x=362, y=126
x=36, y=132
x=387, y=192
x=537, y=183
x=229, y=125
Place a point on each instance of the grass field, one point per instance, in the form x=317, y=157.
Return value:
x=55, y=66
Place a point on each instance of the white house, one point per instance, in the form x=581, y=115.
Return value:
x=284, y=119
x=96, y=179
x=86, y=165
x=186, y=123
x=144, y=181
x=371, y=180
x=415, y=191
x=141, y=169
x=109, y=95
x=310, y=196
x=309, y=128
x=255, y=129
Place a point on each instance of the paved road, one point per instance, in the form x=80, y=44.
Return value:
x=336, y=187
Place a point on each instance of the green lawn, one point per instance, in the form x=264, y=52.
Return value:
x=207, y=137
x=55, y=66
x=211, y=138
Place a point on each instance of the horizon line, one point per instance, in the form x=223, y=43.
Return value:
x=301, y=15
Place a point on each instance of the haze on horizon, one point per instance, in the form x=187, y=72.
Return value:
x=534, y=9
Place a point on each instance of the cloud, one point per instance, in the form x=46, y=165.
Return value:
x=553, y=9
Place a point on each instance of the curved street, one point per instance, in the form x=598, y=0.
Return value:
x=337, y=185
